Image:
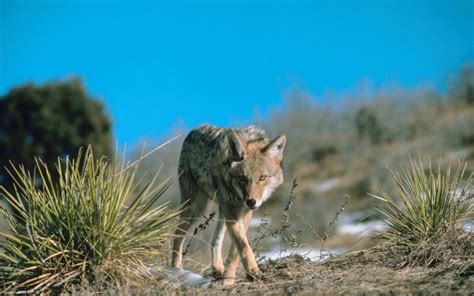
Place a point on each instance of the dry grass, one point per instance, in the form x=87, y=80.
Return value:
x=363, y=272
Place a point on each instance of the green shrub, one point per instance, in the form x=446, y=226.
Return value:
x=432, y=203
x=462, y=86
x=48, y=121
x=89, y=221
x=368, y=125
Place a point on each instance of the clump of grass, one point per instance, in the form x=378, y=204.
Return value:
x=63, y=231
x=425, y=217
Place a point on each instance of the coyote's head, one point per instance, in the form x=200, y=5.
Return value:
x=255, y=168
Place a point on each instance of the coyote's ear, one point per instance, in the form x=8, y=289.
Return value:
x=237, y=146
x=275, y=149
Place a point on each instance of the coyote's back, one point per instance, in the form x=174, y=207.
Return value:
x=205, y=153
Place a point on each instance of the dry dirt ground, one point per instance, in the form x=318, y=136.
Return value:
x=359, y=273
x=441, y=267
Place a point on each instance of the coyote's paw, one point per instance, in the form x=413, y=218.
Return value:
x=217, y=273
x=255, y=275
x=228, y=281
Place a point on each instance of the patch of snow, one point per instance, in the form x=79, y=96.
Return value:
x=468, y=226
x=325, y=185
x=315, y=255
x=351, y=218
x=256, y=221
x=179, y=277
x=363, y=229
x=459, y=154
x=463, y=192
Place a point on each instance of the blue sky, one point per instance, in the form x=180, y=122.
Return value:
x=159, y=63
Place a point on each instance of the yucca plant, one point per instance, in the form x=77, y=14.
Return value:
x=428, y=203
x=89, y=217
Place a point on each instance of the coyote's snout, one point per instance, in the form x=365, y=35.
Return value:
x=237, y=168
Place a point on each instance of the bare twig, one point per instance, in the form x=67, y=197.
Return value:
x=199, y=228
x=332, y=222
x=285, y=223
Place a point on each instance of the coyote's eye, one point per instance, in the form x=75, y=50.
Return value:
x=262, y=178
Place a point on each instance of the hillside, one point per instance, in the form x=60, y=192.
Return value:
x=345, y=150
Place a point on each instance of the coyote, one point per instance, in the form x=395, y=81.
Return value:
x=237, y=168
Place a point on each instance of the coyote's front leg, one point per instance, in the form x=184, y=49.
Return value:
x=216, y=247
x=238, y=234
